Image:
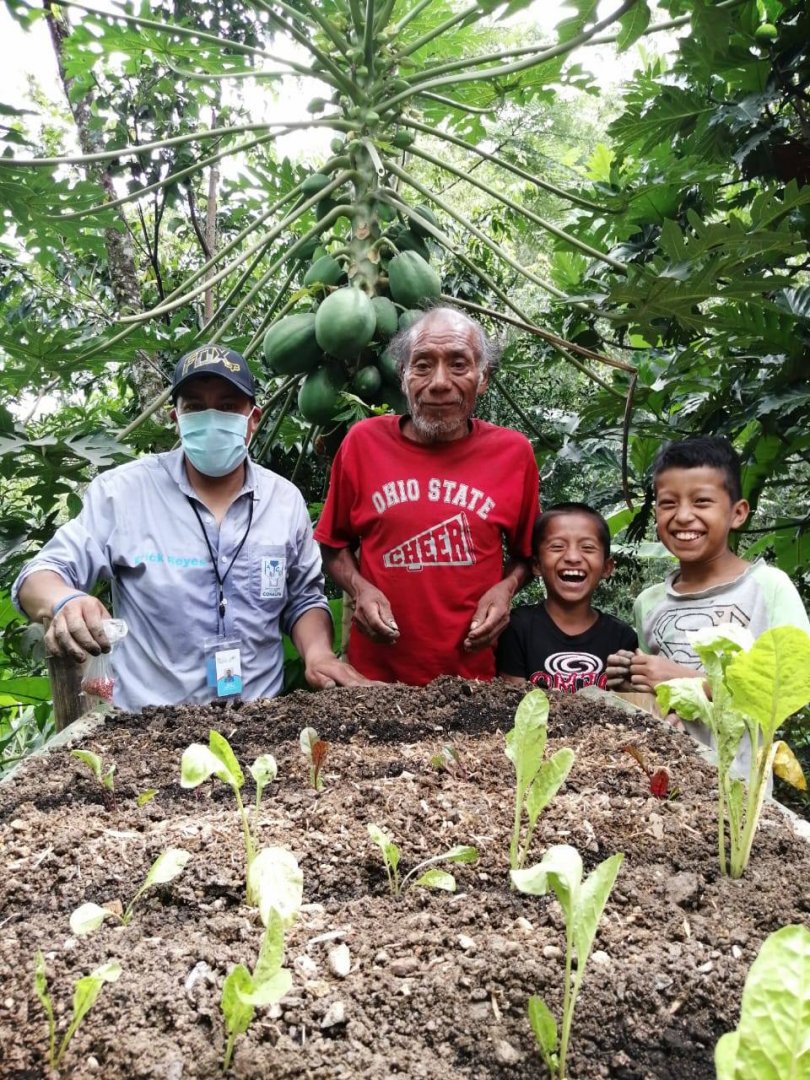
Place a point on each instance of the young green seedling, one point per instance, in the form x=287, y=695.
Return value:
x=582, y=904
x=536, y=781
x=85, y=992
x=243, y=992
x=773, y=1036
x=218, y=759
x=314, y=750
x=755, y=686
x=430, y=879
x=449, y=760
x=278, y=883
x=166, y=867
x=96, y=766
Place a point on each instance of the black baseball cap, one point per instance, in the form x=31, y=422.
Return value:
x=214, y=360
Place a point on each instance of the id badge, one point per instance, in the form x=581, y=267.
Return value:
x=223, y=665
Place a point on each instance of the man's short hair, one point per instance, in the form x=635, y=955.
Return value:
x=488, y=349
x=545, y=518
x=709, y=451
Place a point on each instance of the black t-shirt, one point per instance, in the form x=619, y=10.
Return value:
x=533, y=647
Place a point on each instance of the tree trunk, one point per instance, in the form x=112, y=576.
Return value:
x=145, y=375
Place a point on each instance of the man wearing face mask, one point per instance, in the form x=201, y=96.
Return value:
x=210, y=558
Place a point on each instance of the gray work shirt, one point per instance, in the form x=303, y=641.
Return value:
x=138, y=530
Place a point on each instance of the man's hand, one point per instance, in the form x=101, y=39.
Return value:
x=76, y=631
x=325, y=671
x=617, y=671
x=491, y=617
x=373, y=614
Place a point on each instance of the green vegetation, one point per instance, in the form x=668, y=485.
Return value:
x=755, y=686
x=430, y=879
x=536, y=781
x=166, y=867
x=582, y=904
x=199, y=763
x=85, y=993
x=771, y=1040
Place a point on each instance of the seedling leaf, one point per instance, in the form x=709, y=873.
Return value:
x=544, y=1027
x=686, y=697
x=87, y=918
x=146, y=796
x=271, y=953
x=773, y=677
x=87, y=990
x=389, y=849
x=550, y=778
x=91, y=760
x=221, y=748
x=560, y=870
x=198, y=764
x=264, y=771
x=237, y=1012
x=306, y=740
x=462, y=853
x=276, y=880
x=773, y=1037
x=271, y=990
x=437, y=879
x=85, y=993
x=166, y=867
x=592, y=899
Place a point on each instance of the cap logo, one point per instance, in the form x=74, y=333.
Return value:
x=205, y=357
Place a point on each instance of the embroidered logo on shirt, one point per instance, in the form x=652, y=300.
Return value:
x=447, y=544
x=670, y=630
x=274, y=571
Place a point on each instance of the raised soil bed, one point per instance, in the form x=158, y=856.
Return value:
x=438, y=983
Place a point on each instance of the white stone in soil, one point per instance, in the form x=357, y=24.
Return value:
x=340, y=960
x=335, y=1014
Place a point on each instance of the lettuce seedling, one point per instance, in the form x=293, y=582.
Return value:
x=275, y=879
x=278, y=884
x=449, y=760
x=243, y=992
x=166, y=867
x=96, y=766
x=85, y=992
x=773, y=1036
x=430, y=879
x=537, y=781
x=582, y=904
x=314, y=750
x=218, y=759
x=755, y=686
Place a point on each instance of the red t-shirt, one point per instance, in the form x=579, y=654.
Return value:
x=430, y=520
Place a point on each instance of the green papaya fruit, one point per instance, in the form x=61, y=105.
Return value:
x=290, y=345
x=345, y=323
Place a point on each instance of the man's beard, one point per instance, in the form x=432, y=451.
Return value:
x=433, y=430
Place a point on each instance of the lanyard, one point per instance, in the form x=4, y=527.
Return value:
x=221, y=577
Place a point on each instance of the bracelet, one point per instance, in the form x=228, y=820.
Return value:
x=57, y=607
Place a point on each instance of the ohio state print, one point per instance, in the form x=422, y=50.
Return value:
x=447, y=544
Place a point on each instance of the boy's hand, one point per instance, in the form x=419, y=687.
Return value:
x=646, y=671
x=617, y=670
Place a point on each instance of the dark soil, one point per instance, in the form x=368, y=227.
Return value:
x=438, y=983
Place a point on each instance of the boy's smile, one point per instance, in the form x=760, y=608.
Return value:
x=694, y=513
x=571, y=559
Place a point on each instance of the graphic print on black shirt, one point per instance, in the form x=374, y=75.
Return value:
x=533, y=647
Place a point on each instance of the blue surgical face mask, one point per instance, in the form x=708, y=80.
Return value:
x=214, y=441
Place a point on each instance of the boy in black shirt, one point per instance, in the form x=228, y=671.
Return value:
x=564, y=642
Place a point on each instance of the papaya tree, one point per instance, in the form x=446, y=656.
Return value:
x=345, y=251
